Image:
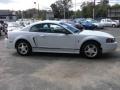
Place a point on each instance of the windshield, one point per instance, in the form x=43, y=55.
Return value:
x=69, y=27
x=94, y=21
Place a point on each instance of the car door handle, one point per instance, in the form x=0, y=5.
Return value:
x=42, y=35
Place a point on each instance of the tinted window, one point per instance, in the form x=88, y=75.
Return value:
x=35, y=28
x=109, y=21
x=57, y=29
x=40, y=28
x=49, y=28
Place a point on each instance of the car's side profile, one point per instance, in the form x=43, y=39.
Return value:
x=59, y=37
x=109, y=22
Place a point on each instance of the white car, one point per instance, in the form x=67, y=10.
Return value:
x=59, y=37
x=109, y=22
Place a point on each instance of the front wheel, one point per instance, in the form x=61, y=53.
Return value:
x=113, y=25
x=91, y=50
x=23, y=48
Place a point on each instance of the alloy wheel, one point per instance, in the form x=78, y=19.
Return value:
x=91, y=50
x=23, y=48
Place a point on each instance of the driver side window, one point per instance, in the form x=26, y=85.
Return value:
x=109, y=21
x=57, y=29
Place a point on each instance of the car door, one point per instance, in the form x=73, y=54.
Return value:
x=38, y=33
x=55, y=37
x=109, y=22
x=59, y=38
x=104, y=22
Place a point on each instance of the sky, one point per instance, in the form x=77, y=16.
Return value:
x=43, y=4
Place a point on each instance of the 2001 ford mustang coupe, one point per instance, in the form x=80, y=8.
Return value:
x=59, y=37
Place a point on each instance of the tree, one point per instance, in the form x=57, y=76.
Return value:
x=87, y=9
x=61, y=8
x=32, y=13
x=78, y=14
x=100, y=10
x=116, y=6
x=56, y=11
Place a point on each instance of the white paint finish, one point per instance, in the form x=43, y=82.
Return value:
x=96, y=33
x=58, y=42
x=55, y=40
x=56, y=50
x=108, y=22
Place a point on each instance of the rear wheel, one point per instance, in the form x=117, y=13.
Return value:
x=23, y=48
x=91, y=50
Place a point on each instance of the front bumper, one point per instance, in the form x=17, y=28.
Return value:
x=100, y=27
x=109, y=47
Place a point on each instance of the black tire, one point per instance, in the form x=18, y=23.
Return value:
x=113, y=25
x=96, y=45
x=27, y=48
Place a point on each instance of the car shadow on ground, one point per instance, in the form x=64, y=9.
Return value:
x=2, y=37
x=115, y=56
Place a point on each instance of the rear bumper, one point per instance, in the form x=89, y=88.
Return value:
x=9, y=44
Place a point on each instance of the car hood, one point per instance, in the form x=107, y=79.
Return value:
x=96, y=33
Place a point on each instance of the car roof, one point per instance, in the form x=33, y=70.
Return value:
x=47, y=21
x=42, y=22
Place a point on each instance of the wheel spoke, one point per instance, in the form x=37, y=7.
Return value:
x=23, y=48
x=90, y=50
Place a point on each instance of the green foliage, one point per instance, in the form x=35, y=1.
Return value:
x=32, y=13
x=78, y=14
x=100, y=10
x=87, y=9
x=61, y=6
x=116, y=6
x=64, y=5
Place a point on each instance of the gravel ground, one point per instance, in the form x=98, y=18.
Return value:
x=45, y=71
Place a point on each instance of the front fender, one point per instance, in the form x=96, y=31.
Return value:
x=97, y=39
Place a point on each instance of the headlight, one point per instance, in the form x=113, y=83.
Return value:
x=110, y=40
